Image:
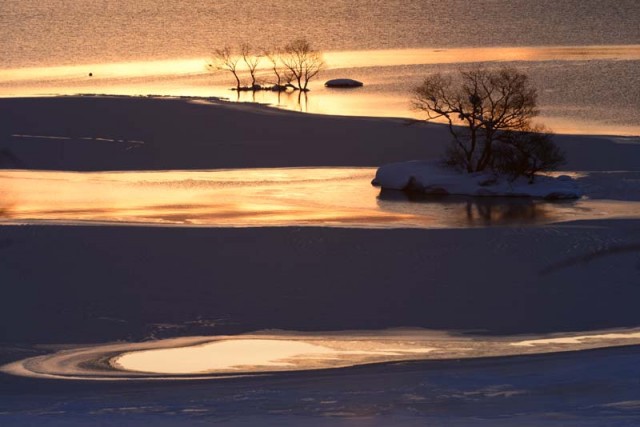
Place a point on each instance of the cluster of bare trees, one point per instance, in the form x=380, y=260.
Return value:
x=490, y=116
x=289, y=68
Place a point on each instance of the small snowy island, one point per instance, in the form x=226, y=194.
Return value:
x=496, y=150
x=434, y=179
x=343, y=83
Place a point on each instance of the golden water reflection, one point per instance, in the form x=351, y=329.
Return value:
x=295, y=351
x=389, y=76
x=334, y=60
x=258, y=354
x=340, y=197
x=278, y=351
x=396, y=57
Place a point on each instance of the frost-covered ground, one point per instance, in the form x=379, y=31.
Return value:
x=70, y=285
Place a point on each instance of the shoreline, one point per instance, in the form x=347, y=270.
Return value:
x=182, y=133
x=186, y=135
x=226, y=101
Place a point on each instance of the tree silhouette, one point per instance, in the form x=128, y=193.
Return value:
x=274, y=56
x=494, y=109
x=226, y=60
x=251, y=60
x=302, y=61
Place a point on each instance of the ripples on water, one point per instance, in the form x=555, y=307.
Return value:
x=152, y=47
x=55, y=32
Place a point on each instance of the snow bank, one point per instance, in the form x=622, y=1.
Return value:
x=433, y=179
x=343, y=83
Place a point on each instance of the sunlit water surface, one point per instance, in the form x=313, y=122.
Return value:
x=339, y=197
x=583, y=89
x=271, y=352
x=56, y=32
x=582, y=55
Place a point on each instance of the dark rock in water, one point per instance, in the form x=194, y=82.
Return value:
x=343, y=83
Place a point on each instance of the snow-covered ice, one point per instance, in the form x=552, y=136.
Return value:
x=431, y=178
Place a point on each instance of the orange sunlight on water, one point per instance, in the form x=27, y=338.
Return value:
x=389, y=75
x=341, y=197
x=265, y=354
x=396, y=57
x=334, y=60
x=277, y=351
x=233, y=198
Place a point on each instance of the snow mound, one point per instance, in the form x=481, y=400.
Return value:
x=433, y=179
x=343, y=83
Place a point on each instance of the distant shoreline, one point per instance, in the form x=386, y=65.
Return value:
x=210, y=133
x=574, y=82
x=631, y=138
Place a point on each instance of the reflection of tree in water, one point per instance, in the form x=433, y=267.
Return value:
x=303, y=102
x=298, y=101
x=505, y=211
x=470, y=211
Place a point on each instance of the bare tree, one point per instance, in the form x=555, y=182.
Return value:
x=226, y=60
x=274, y=56
x=495, y=109
x=252, y=60
x=526, y=152
x=302, y=62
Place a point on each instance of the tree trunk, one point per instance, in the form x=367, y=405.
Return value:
x=237, y=80
x=487, y=152
x=474, y=139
